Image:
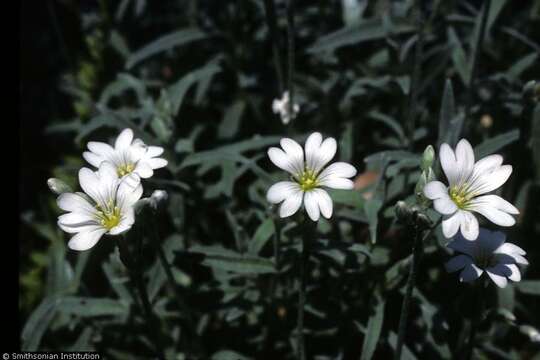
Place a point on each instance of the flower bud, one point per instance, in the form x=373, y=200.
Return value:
x=427, y=158
x=158, y=199
x=58, y=187
x=531, y=332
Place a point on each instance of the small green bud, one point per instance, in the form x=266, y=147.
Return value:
x=403, y=212
x=58, y=187
x=531, y=332
x=427, y=158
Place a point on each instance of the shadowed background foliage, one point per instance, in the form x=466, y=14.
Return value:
x=198, y=78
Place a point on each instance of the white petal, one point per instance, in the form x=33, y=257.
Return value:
x=144, y=170
x=509, y=248
x=124, y=225
x=92, y=158
x=487, y=182
x=516, y=274
x=311, y=203
x=338, y=169
x=154, y=151
x=101, y=149
x=90, y=184
x=76, y=219
x=79, y=228
x=470, y=273
x=435, y=190
x=157, y=163
x=499, y=280
x=85, y=240
x=325, y=153
x=282, y=160
x=291, y=204
x=487, y=164
x=450, y=225
x=107, y=173
x=457, y=263
x=449, y=163
x=129, y=191
x=444, y=205
x=74, y=202
x=325, y=202
x=495, y=209
x=123, y=141
x=281, y=191
x=313, y=143
x=295, y=153
x=469, y=225
x=464, y=160
x=337, y=183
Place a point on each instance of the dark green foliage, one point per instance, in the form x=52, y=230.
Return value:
x=198, y=78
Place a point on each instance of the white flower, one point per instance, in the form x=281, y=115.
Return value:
x=106, y=207
x=488, y=253
x=307, y=176
x=281, y=107
x=128, y=155
x=468, y=180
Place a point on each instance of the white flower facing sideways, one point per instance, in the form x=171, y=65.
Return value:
x=489, y=253
x=128, y=155
x=308, y=176
x=281, y=107
x=106, y=207
x=465, y=194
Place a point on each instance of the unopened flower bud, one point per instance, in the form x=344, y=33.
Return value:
x=531, y=332
x=58, y=187
x=158, y=199
x=427, y=158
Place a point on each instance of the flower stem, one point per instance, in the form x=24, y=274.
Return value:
x=272, y=26
x=137, y=278
x=474, y=65
x=405, y=306
x=415, y=78
x=476, y=318
x=290, y=33
x=304, y=263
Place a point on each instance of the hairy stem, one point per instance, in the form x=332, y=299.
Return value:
x=137, y=278
x=290, y=33
x=476, y=318
x=474, y=65
x=272, y=32
x=413, y=271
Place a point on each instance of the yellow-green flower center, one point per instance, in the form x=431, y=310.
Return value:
x=109, y=217
x=125, y=169
x=459, y=196
x=308, y=180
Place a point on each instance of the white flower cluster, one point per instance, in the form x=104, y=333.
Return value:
x=106, y=205
x=282, y=107
x=469, y=182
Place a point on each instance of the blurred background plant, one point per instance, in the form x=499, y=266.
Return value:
x=199, y=79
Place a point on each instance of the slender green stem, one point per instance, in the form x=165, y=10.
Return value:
x=137, y=278
x=474, y=65
x=290, y=33
x=413, y=270
x=476, y=318
x=415, y=79
x=304, y=264
x=272, y=30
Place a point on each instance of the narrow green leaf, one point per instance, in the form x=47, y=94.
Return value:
x=38, y=323
x=164, y=43
x=530, y=287
x=262, y=235
x=371, y=29
x=90, y=307
x=373, y=331
x=496, y=143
